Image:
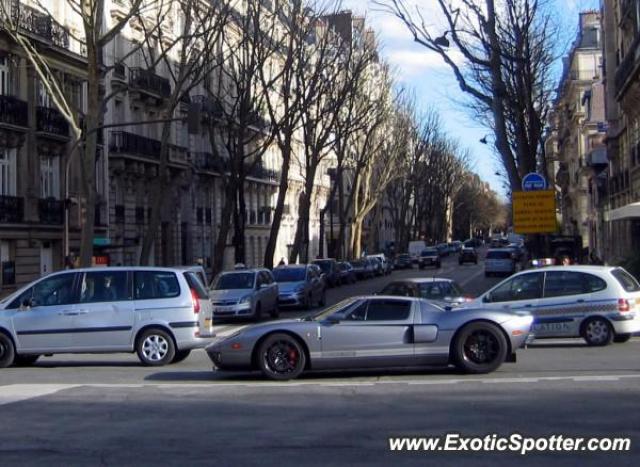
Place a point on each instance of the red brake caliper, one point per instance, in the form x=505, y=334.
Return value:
x=293, y=357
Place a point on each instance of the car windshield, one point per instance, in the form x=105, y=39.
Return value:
x=435, y=290
x=347, y=302
x=235, y=280
x=324, y=265
x=289, y=274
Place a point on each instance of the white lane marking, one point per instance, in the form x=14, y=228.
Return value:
x=21, y=392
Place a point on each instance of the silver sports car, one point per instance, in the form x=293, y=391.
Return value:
x=375, y=332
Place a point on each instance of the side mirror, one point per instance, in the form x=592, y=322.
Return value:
x=486, y=298
x=263, y=286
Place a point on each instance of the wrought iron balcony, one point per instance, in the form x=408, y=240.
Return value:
x=628, y=67
x=148, y=82
x=50, y=120
x=13, y=111
x=259, y=171
x=51, y=211
x=208, y=161
x=37, y=23
x=11, y=209
x=123, y=142
x=210, y=107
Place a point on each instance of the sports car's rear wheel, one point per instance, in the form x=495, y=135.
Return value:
x=479, y=348
x=281, y=357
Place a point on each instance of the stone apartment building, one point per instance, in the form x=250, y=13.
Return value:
x=34, y=140
x=576, y=153
x=621, y=24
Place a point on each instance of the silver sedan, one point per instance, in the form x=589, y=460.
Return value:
x=375, y=332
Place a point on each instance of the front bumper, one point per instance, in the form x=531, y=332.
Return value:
x=293, y=299
x=232, y=311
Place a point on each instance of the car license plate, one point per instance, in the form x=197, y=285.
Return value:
x=223, y=308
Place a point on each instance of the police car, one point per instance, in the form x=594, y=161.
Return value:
x=598, y=303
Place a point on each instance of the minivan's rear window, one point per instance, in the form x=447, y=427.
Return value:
x=195, y=283
x=626, y=280
x=155, y=284
x=498, y=254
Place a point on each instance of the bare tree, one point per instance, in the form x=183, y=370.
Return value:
x=506, y=54
x=186, y=55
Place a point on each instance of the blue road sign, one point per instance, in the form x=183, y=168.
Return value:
x=533, y=182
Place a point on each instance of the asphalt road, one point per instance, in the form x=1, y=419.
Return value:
x=108, y=410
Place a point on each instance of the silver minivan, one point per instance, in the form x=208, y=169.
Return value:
x=159, y=313
x=499, y=261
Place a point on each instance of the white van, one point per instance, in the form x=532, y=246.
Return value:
x=415, y=248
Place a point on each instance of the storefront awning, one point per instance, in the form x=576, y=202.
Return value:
x=629, y=211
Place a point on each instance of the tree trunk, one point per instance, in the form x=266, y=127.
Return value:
x=220, y=244
x=302, y=227
x=239, y=224
x=279, y=211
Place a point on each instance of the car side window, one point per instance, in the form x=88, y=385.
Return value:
x=359, y=313
x=523, y=287
x=155, y=284
x=388, y=310
x=103, y=286
x=561, y=283
x=594, y=283
x=55, y=290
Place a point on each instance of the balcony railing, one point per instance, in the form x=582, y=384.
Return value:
x=51, y=211
x=50, y=120
x=124, y=142
x=147, y=81
x=208, y=106
x=259, y=171
x=13, y=111
x=11, y=209
x=208, y=161
x=628, y=64
x=37, y=23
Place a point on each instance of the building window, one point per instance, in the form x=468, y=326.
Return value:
x=5, y=77
x=49, y=177
x=7, y=172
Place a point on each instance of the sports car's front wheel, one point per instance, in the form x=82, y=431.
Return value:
x=479, y=348
x=281, y=357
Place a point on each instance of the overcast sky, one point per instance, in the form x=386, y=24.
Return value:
x=432, y=81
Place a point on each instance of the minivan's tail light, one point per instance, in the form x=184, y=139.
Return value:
x=195, y=301
x=623, y=305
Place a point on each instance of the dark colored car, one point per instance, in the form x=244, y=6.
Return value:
x=429, y=257
x=346, y=273
x=403, y=261
x=468, y=255
x=440, y=290
x=329, y=268
x=363, y=268
x=443, y=249
x=377, y=265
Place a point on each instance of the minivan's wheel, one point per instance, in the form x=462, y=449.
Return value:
x=281, y=357
x=275, y=312
x=479, y=348
x=323, y=298
x=25, y=360
x=597, y=332
x=181, y=355
x=155, y=347
x=621, y=338
x=7, y=351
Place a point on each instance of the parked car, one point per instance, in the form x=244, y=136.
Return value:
x=378, y=332
x=387, y=267
x=499, y=261
x=443, y=249
x=300, y=285
x=346, y=274
x=445, y=292
x=376, y=264
x=363, y=268
x=598, y=303
x=159, y=313
x=403, y=261
x=198, y=271
x=457, y=246
x=329, y=267
x=244, y=293
x=468, y=255
x=415, y=247
x=429, y=257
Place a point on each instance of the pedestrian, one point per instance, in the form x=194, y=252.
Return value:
x=566, y=261
x=281, y=263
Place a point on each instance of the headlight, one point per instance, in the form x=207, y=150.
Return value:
x=245, y=299
x=299, y=289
